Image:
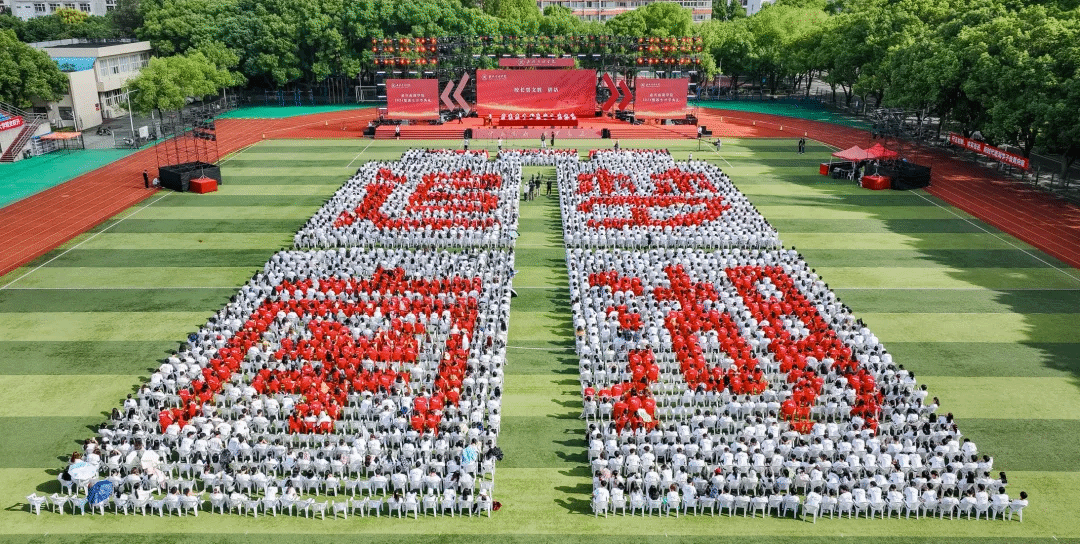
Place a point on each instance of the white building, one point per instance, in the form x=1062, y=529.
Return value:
x=96, y=73
x=754, y=6
x=28, y=9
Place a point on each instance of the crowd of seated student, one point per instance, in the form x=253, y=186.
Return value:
x=538, y=157
x=185, y=434
x=644, y=198
x=430, y=198
x=866, y=441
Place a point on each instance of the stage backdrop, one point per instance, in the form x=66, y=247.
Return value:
x=536, y=91
x=412, y=98
x=660, y=98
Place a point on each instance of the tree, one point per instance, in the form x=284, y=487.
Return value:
x=27, y=73
x=729, y=43
x=64, y=24
x=727, y=10
x=126, y=18
x=70, y=16
x=176, y=26
x=167, y=83
x=659, y=19
x=776, y=30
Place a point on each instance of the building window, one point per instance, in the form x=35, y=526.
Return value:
x=85, y=8
x=69, y=6
x=53, y=8
x=39, y=8
x=66, y=113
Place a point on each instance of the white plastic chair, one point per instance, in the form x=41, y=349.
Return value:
x=140, y=505
x=192, y=504
x=654, y=505
x=430, y=503
x=78, y=502
x=35, y=502
x=413, y=506
x=358, y=506
x=123, y=502
x=1016, y=509
x=374, y=505
x=484, y=504
x=58, y=502
x=340, y=508
x=600, y=505
x=219, y=503
x=319, y=508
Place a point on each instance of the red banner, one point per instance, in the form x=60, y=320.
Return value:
x=660, y=98
x=536, y=91
x=510, y=62
x=14, y=122
x=989, y=151
x=412, y=98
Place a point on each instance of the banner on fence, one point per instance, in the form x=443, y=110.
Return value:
x=8, y=124
x=536, y=91
x=989, y=150
x=412, y=98
x=660, y=98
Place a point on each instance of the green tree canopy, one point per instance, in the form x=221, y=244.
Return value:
x=167, y=83
x=27, y=73
x=659, y=19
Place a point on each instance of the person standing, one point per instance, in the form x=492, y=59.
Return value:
x=543, y=140
x=465, y=144
x=146, y=178
x=553, y=139
x=500, y=143
x=616, y=145
x=802, y=146
x=549, y=186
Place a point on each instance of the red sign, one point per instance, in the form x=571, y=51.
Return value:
x=14, y=122
x=536, y=63
x=989, y=151
x=536, y=91
x=660, y=98
x=412, y=98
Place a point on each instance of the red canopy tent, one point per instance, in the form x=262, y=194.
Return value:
x=854, y=153
x=878, y=151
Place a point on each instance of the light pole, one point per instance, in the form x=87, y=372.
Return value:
x=131, y=119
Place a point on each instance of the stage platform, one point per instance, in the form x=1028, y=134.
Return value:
x=587, y=129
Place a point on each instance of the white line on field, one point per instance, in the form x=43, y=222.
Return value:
x=91, y=237
x=360, y=153
x=998, y=236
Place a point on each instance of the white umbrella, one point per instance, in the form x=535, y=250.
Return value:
x=82, y=471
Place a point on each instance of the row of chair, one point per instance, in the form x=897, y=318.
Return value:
x=783, y=505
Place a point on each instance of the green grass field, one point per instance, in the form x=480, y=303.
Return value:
x=988, y=322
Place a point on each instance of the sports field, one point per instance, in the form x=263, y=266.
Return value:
x=988, y=322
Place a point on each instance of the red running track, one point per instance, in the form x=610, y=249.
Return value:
x=1038, y=218
x=37, y=224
